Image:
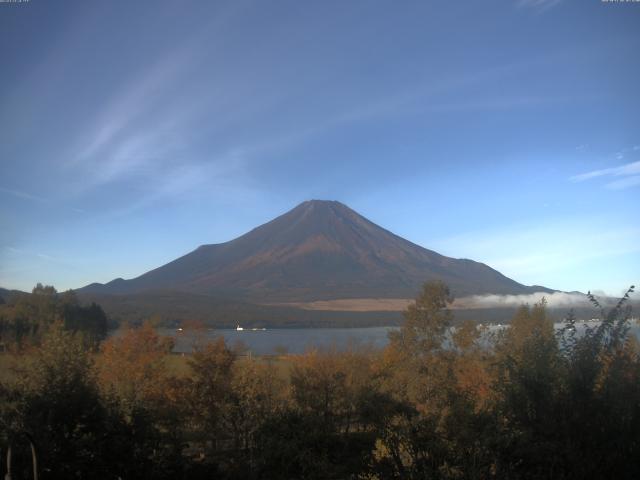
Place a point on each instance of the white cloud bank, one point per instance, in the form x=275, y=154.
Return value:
x=554, y=300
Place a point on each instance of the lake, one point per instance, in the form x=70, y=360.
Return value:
x=280, y=340
x=299, y=340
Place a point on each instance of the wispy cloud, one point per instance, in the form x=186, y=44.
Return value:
x=414, y=99
x=23, y=195
x=49, y=258
x=538, y=4
x=630, y=172
x=117, y=145
x=500, y=103
x=146, y=126
x=141, y=136
x=632, y=168
x=10, y=251
x=220, y=176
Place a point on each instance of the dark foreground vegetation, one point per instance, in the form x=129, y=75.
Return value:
x=529, y=403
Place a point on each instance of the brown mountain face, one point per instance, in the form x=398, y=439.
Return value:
x=319, y=250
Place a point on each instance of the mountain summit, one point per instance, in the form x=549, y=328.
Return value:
x=319, y=250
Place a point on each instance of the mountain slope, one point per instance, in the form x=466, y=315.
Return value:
x=319, y=250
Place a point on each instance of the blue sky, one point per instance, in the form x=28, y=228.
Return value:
x=503, y=131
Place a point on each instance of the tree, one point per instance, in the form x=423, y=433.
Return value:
x=132, y=366
x=436, y=374
x=90, y=321
x=426, y=320
x=258, y=393
x=55, y=402
x=601, y=418
x=330, y=427
x=136, y=385
x=28, y=317
x=529, y=387
x=209, y=388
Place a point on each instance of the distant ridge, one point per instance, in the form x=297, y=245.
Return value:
x=6, y=295
x=320, y=250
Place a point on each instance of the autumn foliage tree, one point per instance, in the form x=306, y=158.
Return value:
x=135, y=382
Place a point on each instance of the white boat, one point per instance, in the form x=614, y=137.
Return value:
x=239, y=328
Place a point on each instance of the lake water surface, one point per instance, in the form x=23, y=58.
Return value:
x=299, y=340
x=280, y=340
